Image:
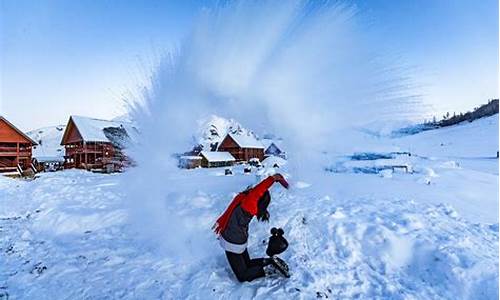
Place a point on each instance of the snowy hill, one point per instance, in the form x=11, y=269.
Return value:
x=469, y=139
x=49, y=140
x=213, y=129
x=427, y=234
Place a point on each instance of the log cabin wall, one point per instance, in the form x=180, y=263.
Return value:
x=229, y=145
x=89, y=155
x=15, y=147
x=241, y=154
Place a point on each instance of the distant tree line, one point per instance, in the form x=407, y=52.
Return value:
x=482, y=111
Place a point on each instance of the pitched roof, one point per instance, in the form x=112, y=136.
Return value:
x=215, y=156
x=246, y=141
x=18, y=130
x=268, y=143
x=92, y=130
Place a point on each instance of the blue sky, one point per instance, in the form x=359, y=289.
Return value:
x=81, y=56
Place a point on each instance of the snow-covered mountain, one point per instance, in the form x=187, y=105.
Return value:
x=49, y=140
x=213, y=129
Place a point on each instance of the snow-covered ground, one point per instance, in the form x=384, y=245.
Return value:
x=429, y=234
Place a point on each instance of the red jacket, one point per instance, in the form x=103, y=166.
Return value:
x=248, y=201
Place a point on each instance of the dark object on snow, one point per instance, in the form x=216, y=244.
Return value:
x=228, y=172
x=247, y=269
x=247, y=170
x=281, y=266
x=277, y=242
x=255, y=162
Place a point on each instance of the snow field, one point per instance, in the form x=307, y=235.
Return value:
x=69, y=237
x=428, y=234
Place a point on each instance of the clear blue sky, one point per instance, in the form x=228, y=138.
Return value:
x=80, y=56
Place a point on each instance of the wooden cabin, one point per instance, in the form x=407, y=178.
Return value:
x=215, y=159
x=15, y=148
x=272, y=148
x=242, y=147
x=95, y=144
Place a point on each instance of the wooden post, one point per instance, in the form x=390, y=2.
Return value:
x=85, y=154
x=17, y=154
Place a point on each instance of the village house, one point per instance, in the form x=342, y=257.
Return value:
x=242, y=147
x=214, y=159
x=15, y=149
x=95, y=144
x=272, y=148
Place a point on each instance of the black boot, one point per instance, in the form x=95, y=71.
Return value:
x=267, y=261
x=281, y=266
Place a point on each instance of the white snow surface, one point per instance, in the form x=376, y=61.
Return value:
x=270, y=161
x=49, y=143
x=67, y=235
x=478, y=139
x=217, y=156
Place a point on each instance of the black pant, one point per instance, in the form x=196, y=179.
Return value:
x=244, y=268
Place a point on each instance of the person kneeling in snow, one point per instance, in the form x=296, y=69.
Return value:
x=232, y=228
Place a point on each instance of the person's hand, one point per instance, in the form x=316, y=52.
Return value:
x=279, y=178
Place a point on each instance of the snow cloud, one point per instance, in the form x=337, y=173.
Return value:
x=303, y=70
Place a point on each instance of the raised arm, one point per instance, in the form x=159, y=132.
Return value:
x=250, y=203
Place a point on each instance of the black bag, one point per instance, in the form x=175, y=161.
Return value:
x=277, y=243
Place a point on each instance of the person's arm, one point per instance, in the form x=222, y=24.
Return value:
x=257, y=191
x=265, y=184
x=253, y=196
x=279, y=178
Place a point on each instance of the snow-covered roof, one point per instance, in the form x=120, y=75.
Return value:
x=268, y=142
x=92, y=130
x=246, y=141
x=215, y=156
